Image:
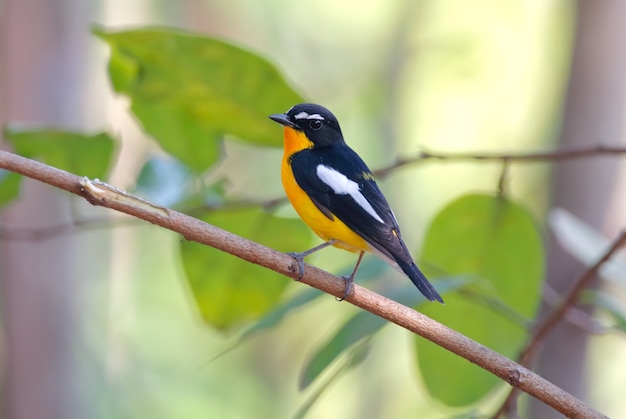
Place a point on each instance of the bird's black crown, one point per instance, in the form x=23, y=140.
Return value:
x=317, y=122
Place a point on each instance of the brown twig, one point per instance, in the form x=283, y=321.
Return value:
x=96, y=223
x=101, y=194
x=575, y=316
x=504, y=172
x=558, y=314
x=506, y=159
x=542, y=156
x=57, y=230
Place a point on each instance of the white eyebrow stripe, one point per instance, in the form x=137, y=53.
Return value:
x=304, y=115
x=341, y=185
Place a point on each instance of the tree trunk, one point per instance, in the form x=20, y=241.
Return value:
x=594, y=114
x=40, y=75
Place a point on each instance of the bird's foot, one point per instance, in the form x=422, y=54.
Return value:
x=299, y=257
x=348, y=281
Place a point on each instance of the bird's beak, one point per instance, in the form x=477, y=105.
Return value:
x=283, y=119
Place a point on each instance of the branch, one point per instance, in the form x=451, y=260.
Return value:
x=553, y=155
x=101, y=194
x=61, y=229
x=542, y=330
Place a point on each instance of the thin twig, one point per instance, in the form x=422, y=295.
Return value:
x=541, y=156
x=553, y=155
x=62, y=229
x=575, y=316
x=559, y=312
x=101, y=194
x=503, y=177
x=96, y=223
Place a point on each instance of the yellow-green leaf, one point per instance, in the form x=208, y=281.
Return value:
x=363, y=326
x=189, y=90
x=9, y=186
x=229, y=291
x=357, y=328
x=498, y=241
x=84, y=155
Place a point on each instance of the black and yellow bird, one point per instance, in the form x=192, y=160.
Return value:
x=335, y=194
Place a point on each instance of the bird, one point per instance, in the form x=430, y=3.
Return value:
x=335, y=194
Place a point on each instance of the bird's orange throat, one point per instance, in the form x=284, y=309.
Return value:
x=295, y=141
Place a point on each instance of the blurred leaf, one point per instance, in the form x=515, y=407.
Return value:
x=612, y=305
x=189, y=90
x=364, y=325
x=84, y=155
x=356, y=356
x=587, y=245
x=275, y=316
x=124, y=70
x=9, y=186
x=229, y=291
x=498, y=241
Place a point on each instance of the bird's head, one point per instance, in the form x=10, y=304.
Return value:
x=316, y=122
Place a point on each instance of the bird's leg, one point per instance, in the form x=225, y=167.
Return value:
x=300, y=256
x=350, y=279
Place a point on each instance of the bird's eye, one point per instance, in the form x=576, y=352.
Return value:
x=315, y=124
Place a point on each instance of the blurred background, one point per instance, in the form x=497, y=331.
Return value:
x=97, y=322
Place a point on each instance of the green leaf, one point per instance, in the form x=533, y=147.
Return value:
x=364, y=325
x=229, y=291
x=354, y=357
x=188, y=91
x=84, y=155
x=272, y=318
x=123, y=70
x=9, y=186
x=499, y=242
x=180, y=133
x=276, y=315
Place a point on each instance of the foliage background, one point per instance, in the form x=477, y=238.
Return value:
x=105, y=313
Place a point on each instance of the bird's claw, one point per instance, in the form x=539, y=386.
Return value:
x=348, y=280
x=299, y=257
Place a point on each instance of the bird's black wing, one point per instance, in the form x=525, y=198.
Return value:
x=341, y=185
x=379, y=228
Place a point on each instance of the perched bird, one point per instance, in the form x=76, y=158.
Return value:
x=335, y=194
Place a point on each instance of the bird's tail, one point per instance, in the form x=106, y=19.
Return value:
x=420, y=281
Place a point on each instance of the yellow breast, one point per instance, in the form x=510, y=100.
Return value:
x=323, y=226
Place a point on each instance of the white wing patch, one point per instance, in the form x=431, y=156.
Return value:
x=341, y=185
x=304, y=115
